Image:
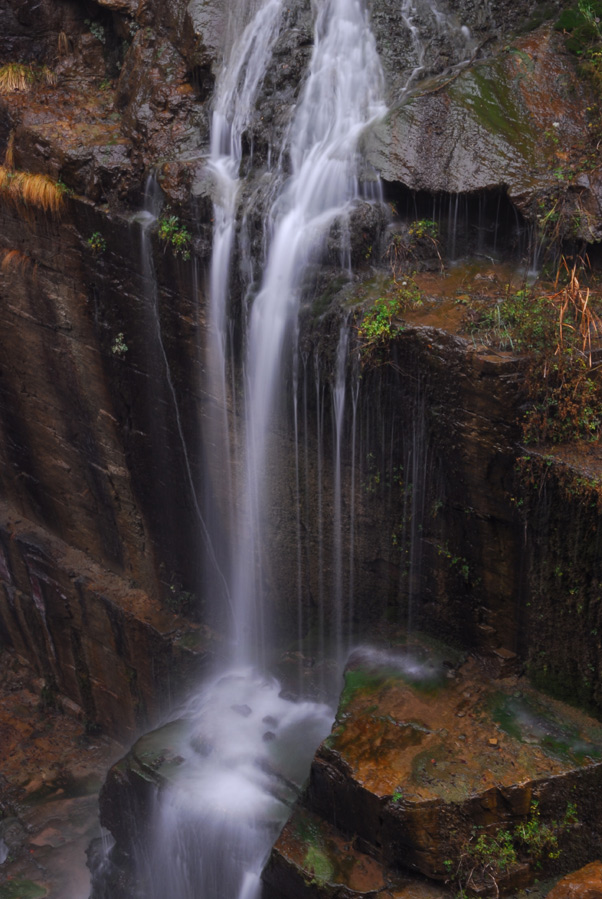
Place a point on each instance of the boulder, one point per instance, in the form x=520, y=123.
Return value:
x=583, y=884
x=419, y=765
x=509, y=121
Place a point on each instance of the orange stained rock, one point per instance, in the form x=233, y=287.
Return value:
x=395, y=738
x=583, y=884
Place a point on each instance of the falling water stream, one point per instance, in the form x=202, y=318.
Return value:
x=247, y=748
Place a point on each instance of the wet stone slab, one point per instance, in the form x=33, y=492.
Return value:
x=422, y=759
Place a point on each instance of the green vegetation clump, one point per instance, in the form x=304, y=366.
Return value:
x=560, y=331
x=581, y=24
x=119, y=347
x=380, y=323
x=97, y=243
x=423, y=228
x=175, y=235
x=489, y=855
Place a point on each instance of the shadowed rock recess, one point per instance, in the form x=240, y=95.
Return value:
x=401, y=507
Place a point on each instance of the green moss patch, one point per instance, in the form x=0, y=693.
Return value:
x=22, y=889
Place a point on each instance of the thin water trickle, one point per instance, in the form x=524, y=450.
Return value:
x=145, y=221
x=419, y=16
x=337, y=537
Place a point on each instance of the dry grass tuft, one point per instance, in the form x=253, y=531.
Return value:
x=9, y=158
x=16, y=77
x=15, y=260
x=62, y=45
x=48, y=76
x=26, y=189
x=575, y=311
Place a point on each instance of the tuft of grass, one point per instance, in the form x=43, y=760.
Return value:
x=62, y=45
x=24, y=189
x=9, y=157
x=15, y=76
x=15, y=260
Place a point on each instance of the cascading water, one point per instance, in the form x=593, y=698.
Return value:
x=341, y=96
x=415, y=14
x=246, y=748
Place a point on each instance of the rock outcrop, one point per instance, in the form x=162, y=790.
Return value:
x=583, y=884
x=434, y=769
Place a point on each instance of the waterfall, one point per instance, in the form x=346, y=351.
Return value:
x=341, y=97
x=236, y=92
x=245, y=749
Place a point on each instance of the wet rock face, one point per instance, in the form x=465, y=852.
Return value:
x=583, y=884
x=52, y=770
x=499, y=122
x=446, y=34
x=97, y=448
x=111, y=649
x=417, y=760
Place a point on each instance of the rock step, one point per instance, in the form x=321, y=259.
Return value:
x=311, y=858
x=420, y=765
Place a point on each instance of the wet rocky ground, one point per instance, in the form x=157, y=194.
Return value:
x=425, y=760
x=52, y=770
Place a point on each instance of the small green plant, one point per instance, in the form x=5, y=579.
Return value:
x=378, y=322
x=172, y=233
x=457, y=563
x=97, y=243
x=97, y=30
x=64, y=190
x=119, y=346
x=488, y=855
x=377, y=328
x=424, y=228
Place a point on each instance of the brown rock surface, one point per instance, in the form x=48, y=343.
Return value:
x=583, y=884
x=51, y=774
x=111, y=649
x=311, y=857
x=416, y=760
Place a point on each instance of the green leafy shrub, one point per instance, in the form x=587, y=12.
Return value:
x=559, y=331
x=175, y=235
x=97, y=243
x=378, y=324
x=423, y=228
x=487, y=855
x=119, y=347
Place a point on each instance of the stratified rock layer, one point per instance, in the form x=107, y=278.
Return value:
x=422, y=758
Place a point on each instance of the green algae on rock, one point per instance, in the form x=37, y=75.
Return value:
x=413, y=776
